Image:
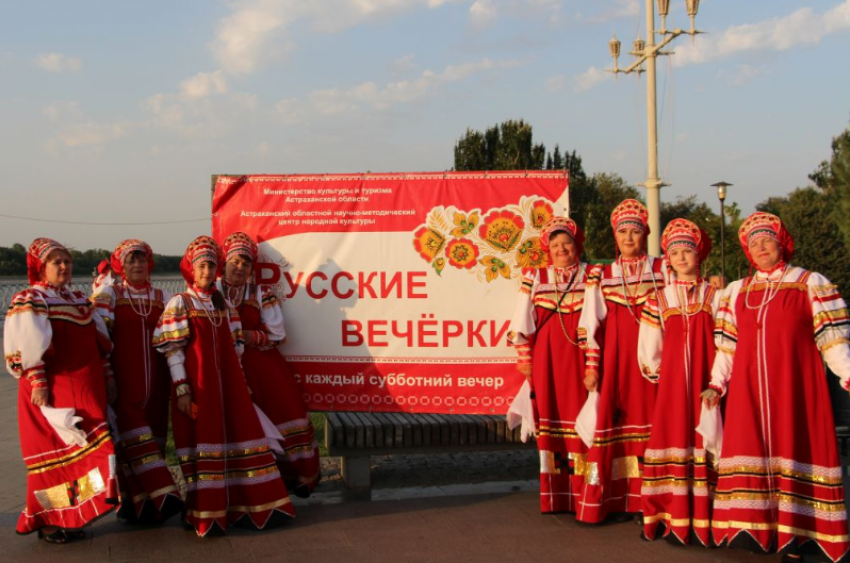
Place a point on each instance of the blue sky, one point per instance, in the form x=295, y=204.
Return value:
x=120, y=112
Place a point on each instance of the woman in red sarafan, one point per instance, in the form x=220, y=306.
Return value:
x=779, y=478
x=231, y=474
x=543, y=331
x=272, y=381
x=57, y=346
x=131, y=308
x=676, y=349
x=608, y=328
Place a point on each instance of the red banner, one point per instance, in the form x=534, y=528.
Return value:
x=398, y=288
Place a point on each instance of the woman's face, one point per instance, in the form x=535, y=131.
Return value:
x=237, y=270
x=57, y=268
x=685, y=262
x=204, y=274
x=136, y=267
x=563, y=250
x=766, y=252
x=630, y=241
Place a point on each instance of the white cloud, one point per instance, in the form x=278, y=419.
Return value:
x=210, y=117
x=590, y=78
x=370, y=95
x=75, y=129
x=741, y=75
x=802, y=27
x=620, y=10
x=203, y=85
x=556, y=83
x=255, y=31
x=57, y=62
x=402, y=64
x=483, y=12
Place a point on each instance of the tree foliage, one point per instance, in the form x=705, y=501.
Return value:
x=507, y=146
x=13, y=261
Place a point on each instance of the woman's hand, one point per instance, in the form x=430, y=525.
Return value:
x=40, y=396
x=184, y=399
x=591, y=379
x=184, y=404
x=710, y=397
x=111, y=391
x=524, y=369
x=248, y=336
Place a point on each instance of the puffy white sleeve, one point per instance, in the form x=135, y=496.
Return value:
x=271, y=315
x=831, y=326
x=171, y=336
x=524, y=322
x=650, y=339
x=725, y=338
x=27, y=335
x=104, y=304
x=592, y=317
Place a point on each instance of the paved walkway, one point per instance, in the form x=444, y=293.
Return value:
x=433, y=520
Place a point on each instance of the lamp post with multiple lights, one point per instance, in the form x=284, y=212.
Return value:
x=647, y=52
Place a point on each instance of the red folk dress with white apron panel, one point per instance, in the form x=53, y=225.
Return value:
x=53, y=339
x=609, y=325
x=780, y=476
x=148, y=491
x=545, y=326
x=224, y=455
x=676, y=346
x=275, y=389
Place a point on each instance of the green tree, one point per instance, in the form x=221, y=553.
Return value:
x=808, y=215
x=705, y=218
x=591, y=203
x=833, y=178
x=507, y=146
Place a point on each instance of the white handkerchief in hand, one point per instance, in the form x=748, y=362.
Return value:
x=270, y=430
x=711, y=429
x=521, y=412
x=586, y=420
x=64, y=422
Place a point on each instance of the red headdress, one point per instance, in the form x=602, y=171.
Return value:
x=125, y=249
x=566, y=225
x=681, y=232
x=240, y=244
x=630, y=213
x=761, y=224
x=202, y=249
x=38, y=252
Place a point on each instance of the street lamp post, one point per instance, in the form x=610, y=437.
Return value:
x=647, y=52
x=721, y=195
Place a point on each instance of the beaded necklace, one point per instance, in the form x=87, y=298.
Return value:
x=578, y=273
x=218, y=319
x=641, y=263
x=141, y=310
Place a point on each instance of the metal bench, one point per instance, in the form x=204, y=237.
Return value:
x=356, y=436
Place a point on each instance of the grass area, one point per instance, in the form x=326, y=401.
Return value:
x=318, y=420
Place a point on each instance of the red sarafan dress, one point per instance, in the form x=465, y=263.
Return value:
x=230, y=471
x=53, y=339
x=273, y=384
x=676, y=349
x=545, y=327
x=780, y=477
x=609, y=325
x=148, y=492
